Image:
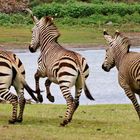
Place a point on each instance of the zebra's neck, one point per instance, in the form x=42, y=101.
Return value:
x=119, y=54
x=48, y=35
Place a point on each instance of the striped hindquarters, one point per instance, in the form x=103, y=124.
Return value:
x=69, y=69
x=7, y=70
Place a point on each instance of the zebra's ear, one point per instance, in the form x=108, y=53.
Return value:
x=48, y=19
x=35, y=20
x=107, y=36
x=117, y=33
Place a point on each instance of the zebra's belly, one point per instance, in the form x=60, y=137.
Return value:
x=67, y=81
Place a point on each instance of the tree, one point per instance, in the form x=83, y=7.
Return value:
x=8, y=6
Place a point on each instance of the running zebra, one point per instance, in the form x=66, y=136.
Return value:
x=12, y=73
x=127, y=63
x=63, y=67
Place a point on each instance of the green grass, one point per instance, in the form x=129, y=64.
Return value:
x=14, y=35
x=69, y=34
x=93, y=122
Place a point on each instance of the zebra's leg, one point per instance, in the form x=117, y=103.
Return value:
x=47, y=85
x=133, y=99
x=77, y=96
x=37, y=77
x=70, y=105
x=130, y=94
x=22, y=102
x=14, y=101
x=75, y=102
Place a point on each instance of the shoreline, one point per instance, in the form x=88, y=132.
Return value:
x=65, y=45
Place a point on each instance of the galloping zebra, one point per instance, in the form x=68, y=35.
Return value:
x=63, y=67
x=12, y=73
x=127, y=63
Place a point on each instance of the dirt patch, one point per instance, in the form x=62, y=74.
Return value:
x=134, y=38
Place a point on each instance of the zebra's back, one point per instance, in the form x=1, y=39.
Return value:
x=59, y=61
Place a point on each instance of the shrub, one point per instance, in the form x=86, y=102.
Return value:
x=8, y=19
x=77, y=10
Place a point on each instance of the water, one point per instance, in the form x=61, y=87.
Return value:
x=103, y=85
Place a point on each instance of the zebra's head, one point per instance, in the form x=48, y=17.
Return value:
x=109, y=61
x=118, y=46
x=43, y=28
x=35, y=33
x=35, y=42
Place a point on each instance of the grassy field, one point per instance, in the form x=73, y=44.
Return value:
x=96, y=122
x=69, y=35
x=22, y=35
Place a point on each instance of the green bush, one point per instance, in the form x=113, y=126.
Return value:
x=56, y=10
x=76, y=10
x=5, y=19
x=134, y=17
x=9, y=19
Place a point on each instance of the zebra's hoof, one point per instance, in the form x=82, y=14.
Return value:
x=40, y=98
x=51, y=98
x=64, y=123
x=19, y=120
x=69, y=120
x=12, y=121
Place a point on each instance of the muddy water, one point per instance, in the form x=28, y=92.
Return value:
x=103, y=86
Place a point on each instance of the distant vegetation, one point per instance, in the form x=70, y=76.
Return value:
x=85, y=13
x=38, y=2
x=71, y=12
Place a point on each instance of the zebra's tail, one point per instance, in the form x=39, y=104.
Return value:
x=26, y=86
x=87, y=93
x=85, y=88
x=30, y=91
x=83, y=83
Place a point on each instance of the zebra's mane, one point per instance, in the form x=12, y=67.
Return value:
x=122, y=41
x=55, y=35
x=51, y=28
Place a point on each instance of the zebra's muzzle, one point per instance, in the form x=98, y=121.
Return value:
x=105, y=68
x=31, y=49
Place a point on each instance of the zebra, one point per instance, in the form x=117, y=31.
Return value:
x=12, y=73
x=127, y=64
x=61, y=66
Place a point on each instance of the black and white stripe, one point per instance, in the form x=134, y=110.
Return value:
x=63, y=67
x=127, y=63
x=12, y=73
